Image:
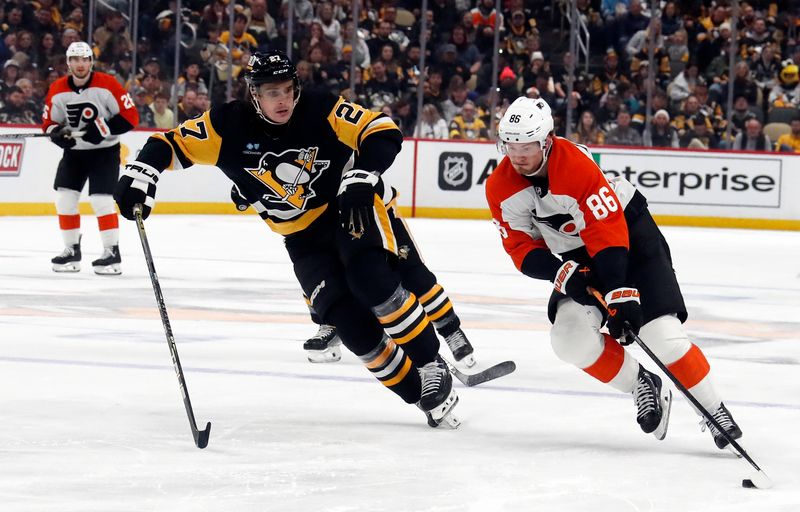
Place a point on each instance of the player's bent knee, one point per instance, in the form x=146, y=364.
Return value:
x=666, y=338
x=575, y=336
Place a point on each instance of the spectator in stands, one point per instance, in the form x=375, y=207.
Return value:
x=536, y=65
x=700, y=135
x=609, y=109
x=742, y=111
x=623, y=134
x=383, y=87
x=507, y=83
x=519, y=30
x=361, y=51
x=457, y=95
x=25, y=45
x=261, y=25
x=790, y=142
x=112, y=38
x=187, y=106
x=203, y=101
x=242, y=40
x=610, y=74
x=752, y=138
x=765, y=69
x=467, y=125
x=683, y=120
x=758, y=35
x=44, y=23
x=677, y=52
x=613, y=9
x=331, y=27
x=431, y=126
x=303, y=11
x=74, y=20
x=630, y=23
x=670, y=19
x=190, y=78
x=164, y=117
x=587, y=131
x=381, y=37
x=389, y=14
x=47, y=53
x=10, y=76
x=146, y=115
x=483, y=21
x=468, y=53
x=640, y=41
x=409, y=63
x=661, y=134
x=17, y=110
x=432, y=88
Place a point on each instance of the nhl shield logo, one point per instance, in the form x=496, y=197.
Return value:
x=455, y=171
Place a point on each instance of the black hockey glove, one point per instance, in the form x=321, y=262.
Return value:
x=137, y=185
x=572, y=280
x=62, y=137
x=624, y=312
x=238, y=199
x=356, y=200
x=96, y=132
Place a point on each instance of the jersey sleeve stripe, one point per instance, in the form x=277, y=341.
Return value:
x=378, y=125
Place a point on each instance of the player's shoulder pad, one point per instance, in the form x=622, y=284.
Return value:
x=106, y=81
x=58, y=86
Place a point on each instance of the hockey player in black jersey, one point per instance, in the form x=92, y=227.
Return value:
x=310, y=165
x=325, y=345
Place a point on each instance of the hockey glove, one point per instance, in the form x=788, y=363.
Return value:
x=137, y=185
x=97, y=131
x=62, y=137
x=572, y=280
x=624, y=313
x=356, y=200
x=238, y=199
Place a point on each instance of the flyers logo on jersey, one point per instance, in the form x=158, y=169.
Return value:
x=290, y=175
x=561, y=222
x=77, y=112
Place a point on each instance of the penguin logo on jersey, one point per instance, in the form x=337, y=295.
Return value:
x=77, y=112
x=561, y=222
x=290, y=175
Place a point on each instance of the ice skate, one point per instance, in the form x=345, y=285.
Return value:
x=69, y=260
x=325, y=346
x=438, y=396
x=461, y=348
x=653, y=404
x=725, y=420
x=108, y=263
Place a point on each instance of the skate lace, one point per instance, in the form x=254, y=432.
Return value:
x=645, y=398
x=456, y=340
x=325, y=332
x=723, y=418
x=108, y=252
x=67, y=252
x=432, y=376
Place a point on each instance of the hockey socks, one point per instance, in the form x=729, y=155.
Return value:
x=391, y=366
x=404, y=319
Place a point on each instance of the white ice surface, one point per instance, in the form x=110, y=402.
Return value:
x=91, y=418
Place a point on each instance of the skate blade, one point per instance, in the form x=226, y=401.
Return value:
x=468, y=361
x=67, y=267
x=329, y=355
x=442, y=414
x=666, y=406
x=108, y=270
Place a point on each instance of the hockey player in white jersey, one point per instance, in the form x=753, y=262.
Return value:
x=93, y=106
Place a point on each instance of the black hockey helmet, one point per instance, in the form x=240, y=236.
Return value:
x=267, y=67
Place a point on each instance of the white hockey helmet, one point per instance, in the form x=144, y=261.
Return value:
x=80, y=49
x=526, y=120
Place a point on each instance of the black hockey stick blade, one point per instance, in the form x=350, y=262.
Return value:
x=201, y=436
x=491, y=373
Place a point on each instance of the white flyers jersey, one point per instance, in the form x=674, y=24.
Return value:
x=574, y=206
x=102, y=97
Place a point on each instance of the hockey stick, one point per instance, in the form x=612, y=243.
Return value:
x=759, y=479
x=200, y=436
x=491, y=373
x=75, y=135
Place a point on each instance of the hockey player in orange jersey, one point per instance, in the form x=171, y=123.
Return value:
x=562, y=220
x=94, y=104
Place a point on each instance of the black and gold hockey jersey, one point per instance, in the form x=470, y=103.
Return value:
x=290, y=173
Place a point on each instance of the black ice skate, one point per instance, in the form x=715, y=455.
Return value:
x=69, y=260
x=461, y=348
x=725, y=420
x=325, y=346
x=653, y=404
x=108, y=263
x=438, y=396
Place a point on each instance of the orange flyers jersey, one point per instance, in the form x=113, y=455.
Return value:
x=574, y=206
x=76, y=107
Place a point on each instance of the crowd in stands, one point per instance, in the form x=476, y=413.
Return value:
x=690, y=63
